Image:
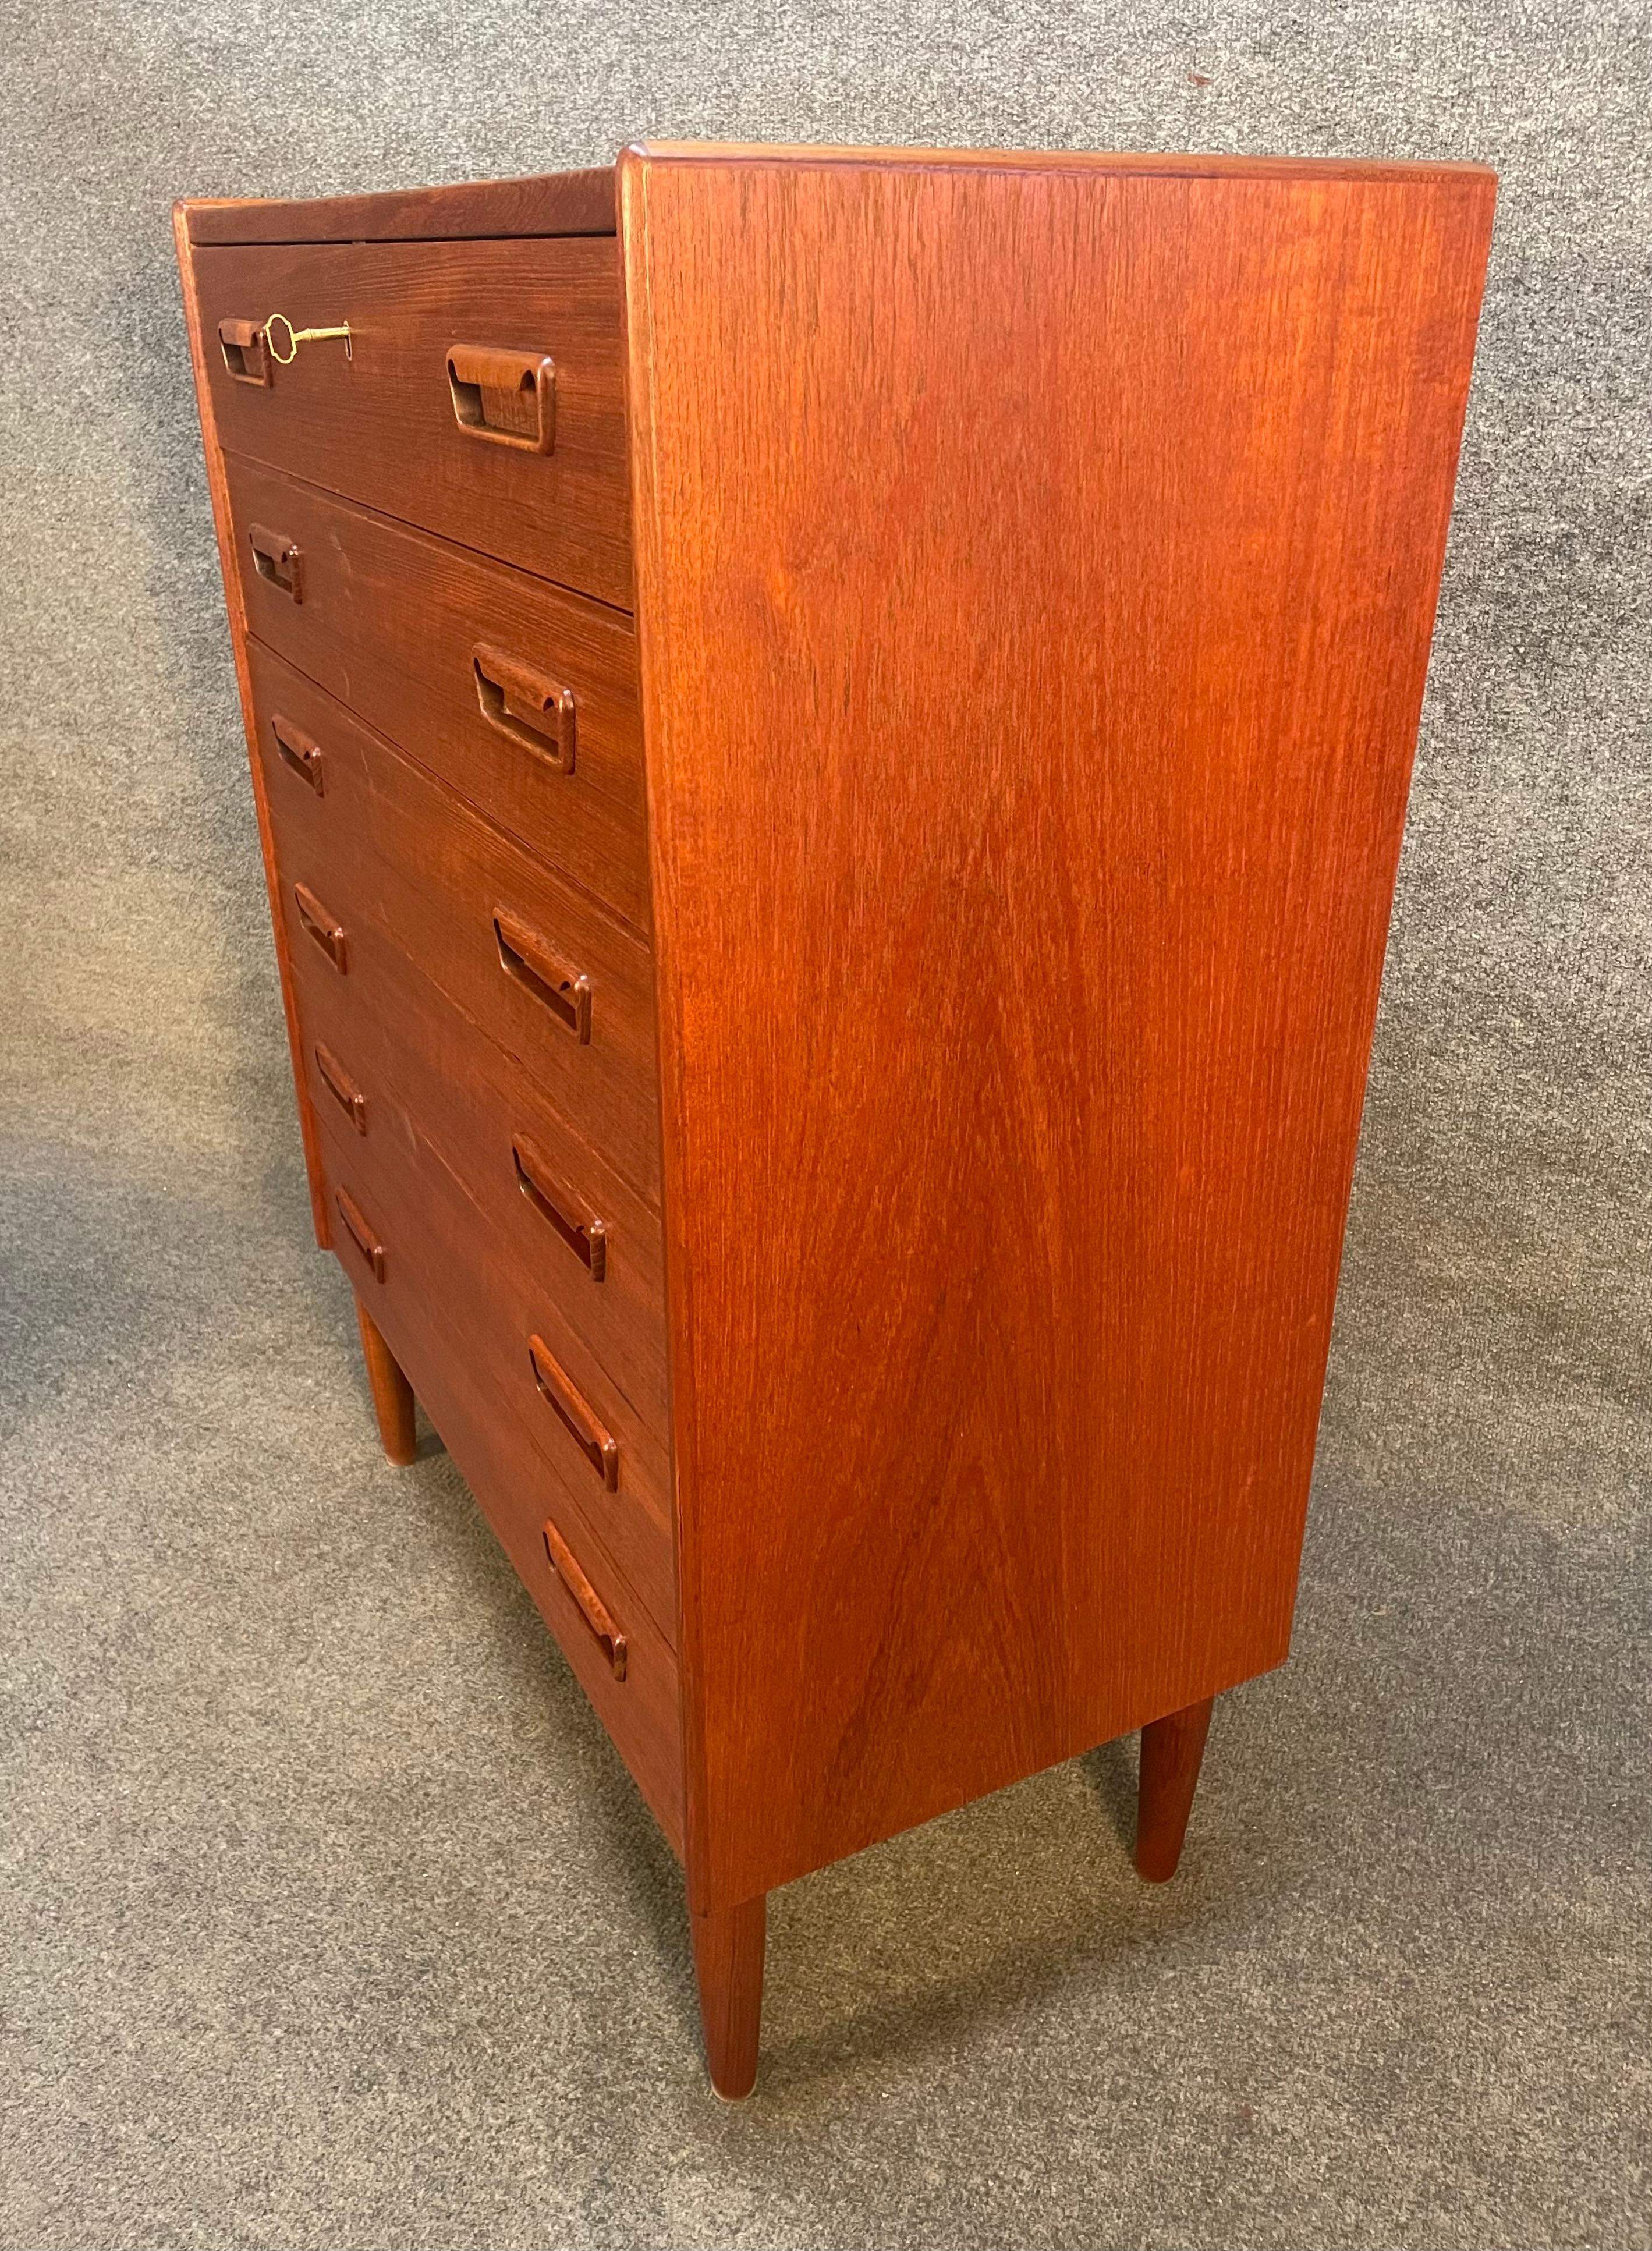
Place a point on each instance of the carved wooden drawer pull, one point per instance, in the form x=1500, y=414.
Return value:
x=556, y=1385
x=323, y=926
x=341, y=1087
x=299, y=750
x=278, y=561
x=592, y=1608
x=242, y=345
x=528, y=705
x=525, y=956
x=577, y=1226
x=507, y=397
x=362, y=1232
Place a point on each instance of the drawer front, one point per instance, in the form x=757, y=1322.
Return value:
x=444, y=411
x=440, y=652
x=511, y=1332
x=566, y=1221
x=400, y=865
x=642, y=1711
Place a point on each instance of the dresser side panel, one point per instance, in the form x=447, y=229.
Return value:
x=218, y=488
x=1036, y=574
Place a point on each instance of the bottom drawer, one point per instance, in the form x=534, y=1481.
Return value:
x=395, y=1268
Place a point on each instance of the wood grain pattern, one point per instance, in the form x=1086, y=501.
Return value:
x=418, y=870
x=390, y=623
x=549, y=203
x=1034, y=618
x=381, y=427
x=200, y=342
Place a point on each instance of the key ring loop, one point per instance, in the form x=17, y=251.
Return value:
x=282, y=359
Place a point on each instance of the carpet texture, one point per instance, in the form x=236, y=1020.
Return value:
x=329, y=1918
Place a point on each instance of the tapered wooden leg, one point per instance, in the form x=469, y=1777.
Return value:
x=1171, y=1749
x=392, y=1393
x=728, y=1966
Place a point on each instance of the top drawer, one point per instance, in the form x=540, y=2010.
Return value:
x=443, y=412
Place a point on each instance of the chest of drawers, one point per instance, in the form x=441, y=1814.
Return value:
x=831, y=733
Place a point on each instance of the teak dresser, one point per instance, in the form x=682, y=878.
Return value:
x=831, y=730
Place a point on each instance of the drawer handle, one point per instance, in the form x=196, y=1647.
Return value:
x=301, y=752
x=341, y=1087
x=509, y=397
x=526, y=957
x=528, y=706
x=328, y=934
x=585, y=1235
x=277, y=560
x=360, y=1232
x=592, y=1608
x=595, y=1443
x=242, y=344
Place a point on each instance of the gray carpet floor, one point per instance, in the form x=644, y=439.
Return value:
x=329, y=1919
x=333, y=1920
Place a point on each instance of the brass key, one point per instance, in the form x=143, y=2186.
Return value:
x=297, y=336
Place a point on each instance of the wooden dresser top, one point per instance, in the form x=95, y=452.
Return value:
x=585, y=203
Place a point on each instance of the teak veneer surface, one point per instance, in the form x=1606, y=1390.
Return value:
x=471, y=1096
x=218, y=486
x=582, y=202
x=377, y=423
x=1035, y=617
x=390, y=623
x=972, y=874
x=550, y=202
x=429, y=866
